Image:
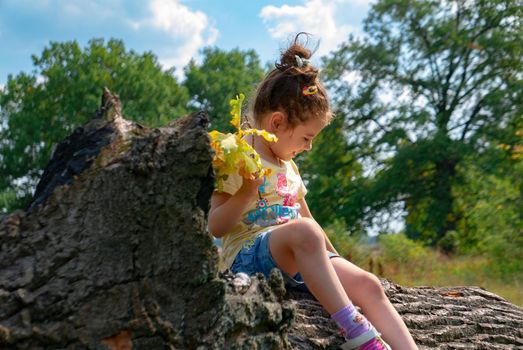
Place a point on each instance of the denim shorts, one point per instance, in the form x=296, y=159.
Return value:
x=255, y=256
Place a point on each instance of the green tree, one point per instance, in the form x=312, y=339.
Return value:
x=220, y=77
x=492, y=224
x=64, y=90
x=431, y=84
x=332, y=176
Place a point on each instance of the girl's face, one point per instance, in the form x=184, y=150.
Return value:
x=293, y=141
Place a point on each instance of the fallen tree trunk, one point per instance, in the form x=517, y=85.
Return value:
x=113, y=253
x=114, y=248
x=438, y=318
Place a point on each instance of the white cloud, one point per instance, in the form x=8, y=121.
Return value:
x=314, y=16
x=358, y=2
x=189, y=30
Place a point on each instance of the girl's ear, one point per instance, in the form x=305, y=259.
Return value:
x=278, y=121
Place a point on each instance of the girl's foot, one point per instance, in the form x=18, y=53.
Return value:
x=358, y=331
x=370, y=340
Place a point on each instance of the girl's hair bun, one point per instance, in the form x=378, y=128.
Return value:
x=296, y=55
x=293, y=87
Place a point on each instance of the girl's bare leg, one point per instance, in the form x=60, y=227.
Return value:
x=365, y=290
x=300, y=246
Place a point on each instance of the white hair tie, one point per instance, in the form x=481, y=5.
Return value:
x=300, y=62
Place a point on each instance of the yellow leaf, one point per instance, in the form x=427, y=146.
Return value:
x=232, y=154
x=236, y=110
x=250, y=165
x=229, y=144
x=263, y=133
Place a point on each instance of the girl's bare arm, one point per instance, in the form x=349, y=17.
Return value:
x=226, y=209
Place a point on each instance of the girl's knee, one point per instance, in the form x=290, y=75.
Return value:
x=372, y=286
x=308, y=235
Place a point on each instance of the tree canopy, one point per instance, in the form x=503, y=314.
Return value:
x=219, y=78
x=39, y=109
x=432, y=84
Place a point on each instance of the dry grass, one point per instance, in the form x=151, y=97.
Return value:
x=410, y=264
x=456, y=271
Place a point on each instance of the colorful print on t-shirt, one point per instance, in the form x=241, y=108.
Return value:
x=275, y=205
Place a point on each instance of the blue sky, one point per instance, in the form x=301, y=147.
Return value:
x=174, y=30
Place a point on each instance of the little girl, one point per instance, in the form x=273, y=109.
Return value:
x=265, y=223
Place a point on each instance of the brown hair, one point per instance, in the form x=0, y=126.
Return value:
x=283, y=88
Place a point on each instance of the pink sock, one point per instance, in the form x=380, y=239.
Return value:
x=353, y=324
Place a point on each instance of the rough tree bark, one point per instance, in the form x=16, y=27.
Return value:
x=113, y=253
x=438, y=318
x=114, y=249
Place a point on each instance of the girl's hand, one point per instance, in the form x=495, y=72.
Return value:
x=250, y=187
x=226, y=209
